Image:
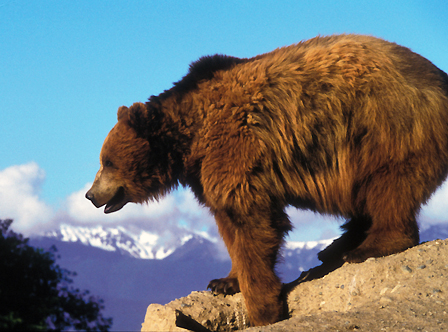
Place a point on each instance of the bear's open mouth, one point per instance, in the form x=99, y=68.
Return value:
x=116, y=202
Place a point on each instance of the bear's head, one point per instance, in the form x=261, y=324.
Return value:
x=135, y=162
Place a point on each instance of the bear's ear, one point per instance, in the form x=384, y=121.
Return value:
x=138, y=118
x=123, y=113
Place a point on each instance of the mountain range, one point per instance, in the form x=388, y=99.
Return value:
x=130, y=269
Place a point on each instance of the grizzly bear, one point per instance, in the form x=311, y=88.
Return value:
x=346, y=125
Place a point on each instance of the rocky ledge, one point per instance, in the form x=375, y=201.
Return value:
x=402, y=292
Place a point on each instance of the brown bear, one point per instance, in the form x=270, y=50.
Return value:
x=347, y=125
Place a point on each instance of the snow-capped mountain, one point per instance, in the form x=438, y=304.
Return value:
x=146, y=245
x=109, y=263
x=138, y=244
x=295, y=256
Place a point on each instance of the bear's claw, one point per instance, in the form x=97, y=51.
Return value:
x=226, y=286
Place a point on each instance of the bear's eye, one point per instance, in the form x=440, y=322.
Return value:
x=108, y=163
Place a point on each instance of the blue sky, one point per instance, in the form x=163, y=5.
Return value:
x=66, y=67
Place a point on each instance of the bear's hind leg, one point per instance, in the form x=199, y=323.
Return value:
x=392, y=202
x=355, y=233
x=383, y=242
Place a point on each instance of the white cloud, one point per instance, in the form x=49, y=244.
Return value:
x=19, y=197
x=179, y=206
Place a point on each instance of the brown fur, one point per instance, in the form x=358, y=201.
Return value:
x=346, y=125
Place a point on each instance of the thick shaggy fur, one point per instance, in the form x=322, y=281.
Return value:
x=347, y=125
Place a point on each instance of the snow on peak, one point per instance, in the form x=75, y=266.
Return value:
x=139, y=244
x=146, y=245
x=186, y=238
x=295, y=245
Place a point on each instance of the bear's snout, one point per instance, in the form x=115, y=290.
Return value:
x=91, y=197
x=113, y=198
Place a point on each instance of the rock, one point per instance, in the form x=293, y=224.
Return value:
x=393, y=293
x=208, y=312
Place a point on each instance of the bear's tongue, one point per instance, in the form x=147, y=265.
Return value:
x=117, y=202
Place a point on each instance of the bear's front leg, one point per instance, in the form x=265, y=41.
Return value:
x=255, y=253
x=228, y=285
x=253, y=249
